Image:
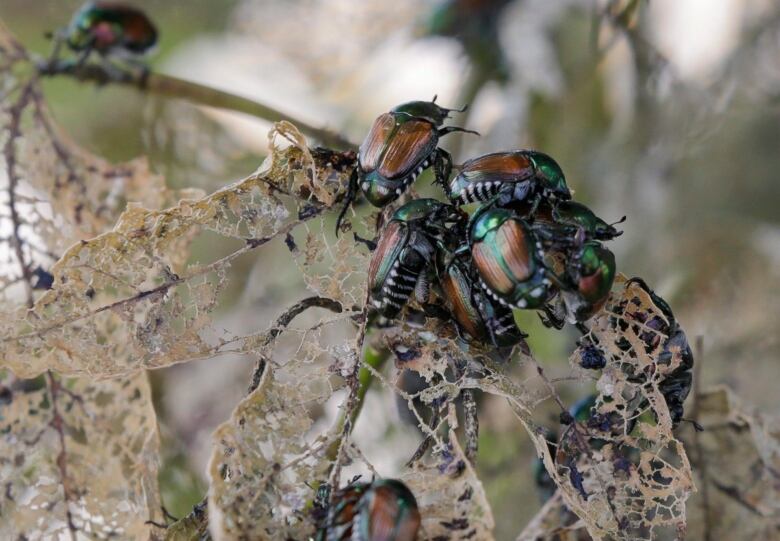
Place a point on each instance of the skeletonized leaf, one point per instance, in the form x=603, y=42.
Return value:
x=452, y=501
x=623, y=472
x=78, y=456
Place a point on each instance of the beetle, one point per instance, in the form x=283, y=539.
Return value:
x=591, y=272
x=110, y=28
x=384, y=510
x=509, y=177
x=404, y=252
x=676, y=386
x=399, y=147
x=476, y=315
x=509, y=259
x=579, y=216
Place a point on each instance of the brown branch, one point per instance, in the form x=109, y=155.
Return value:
x=283, y=321
x=173, y=87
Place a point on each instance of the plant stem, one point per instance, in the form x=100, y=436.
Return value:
x=173, y=87
x=375, y=358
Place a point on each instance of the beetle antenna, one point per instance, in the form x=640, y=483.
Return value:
x=434, y=98
x=620, y=221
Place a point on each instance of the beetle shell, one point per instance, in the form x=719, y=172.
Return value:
x=388, y=512
x=473, y=311
x=517, y=173
x=341, y=515
x=107, y=26
x=400, y=257
x=508, y=259
x=596, y=276
x=396, y=150
x=385, y=510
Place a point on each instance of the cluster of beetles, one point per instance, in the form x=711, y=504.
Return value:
x=527, y=246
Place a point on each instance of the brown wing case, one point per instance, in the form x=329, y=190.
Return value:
x=411, y=143
x=389, y=521
x=513, y=246
x=502, y=165
x=374, y=144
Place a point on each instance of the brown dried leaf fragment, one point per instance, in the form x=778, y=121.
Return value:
x=736, y=462
x=132, y=284
x=78, y=458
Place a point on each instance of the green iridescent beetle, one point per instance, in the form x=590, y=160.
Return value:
x=591, y=272
x=404, y=252
x=509, y=178
x=399, y=147
x=110, y=28
x=509, y=259
x=384, y=510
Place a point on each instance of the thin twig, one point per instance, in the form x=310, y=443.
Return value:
x=283, y=321
x=173, y=87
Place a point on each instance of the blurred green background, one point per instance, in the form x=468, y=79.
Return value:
x=667, y=112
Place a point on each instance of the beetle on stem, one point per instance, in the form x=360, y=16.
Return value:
x=399, y=147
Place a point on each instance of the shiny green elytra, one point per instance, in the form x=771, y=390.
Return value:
x=509, y=259
x=509, y=177
x=592, y=274
x=578, y=215
x=401, y=144
x=384, y=510
x=405, y=249
x=108, y=27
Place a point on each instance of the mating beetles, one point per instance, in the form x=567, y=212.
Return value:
x=476, y=314
x=399, y=146
x=515, y=176
x=591, y=272
x=509, y=259
x=385, y=510
x=404, y=252
x=110, y=28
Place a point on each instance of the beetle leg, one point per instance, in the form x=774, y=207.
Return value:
x=552, y=317
x=82, y=59
x=442, y=168
x=370, y=244
x=351, y=193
